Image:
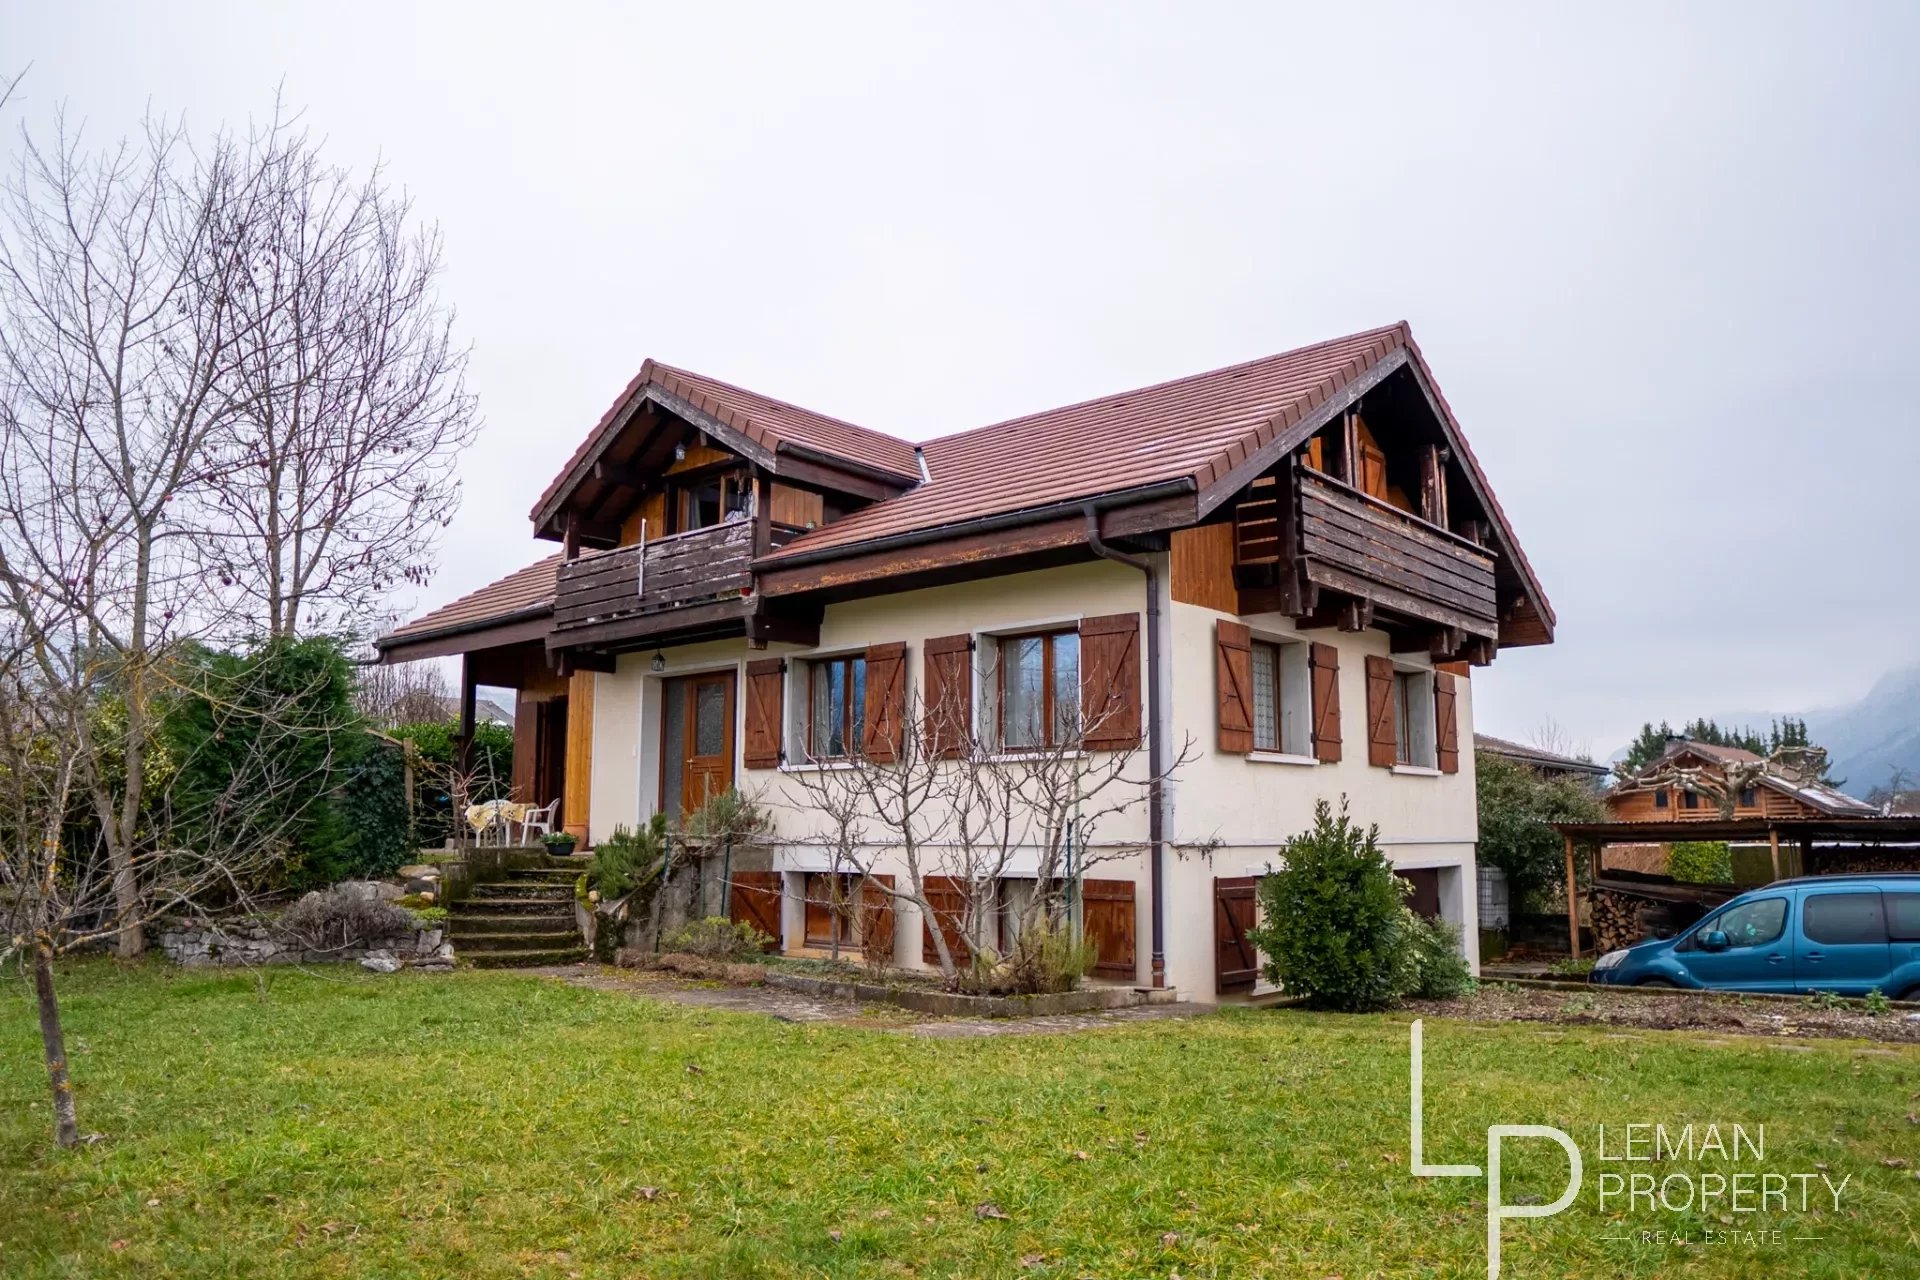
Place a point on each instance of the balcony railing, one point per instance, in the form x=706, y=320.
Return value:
x=1334, y=536
x=700, y=567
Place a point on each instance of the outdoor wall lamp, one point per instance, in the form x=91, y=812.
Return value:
x=658, y=664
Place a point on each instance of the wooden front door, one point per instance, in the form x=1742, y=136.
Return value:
x=696, y=748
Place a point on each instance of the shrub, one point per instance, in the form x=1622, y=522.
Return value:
x=1333, y=918
x=1048, y=957
x=1516, y=804
x=1701, y=862
x=727, y=814
x=1435, y=970
x=629, y=860
x=717, y=938
x=337, y=918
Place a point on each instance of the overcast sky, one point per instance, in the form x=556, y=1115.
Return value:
x=1662, y=260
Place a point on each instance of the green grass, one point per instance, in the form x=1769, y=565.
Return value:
x=495, y=1125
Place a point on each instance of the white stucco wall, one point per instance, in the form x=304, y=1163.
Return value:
x=1248, y=808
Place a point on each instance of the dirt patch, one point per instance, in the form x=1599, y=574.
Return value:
x=1683, y=1012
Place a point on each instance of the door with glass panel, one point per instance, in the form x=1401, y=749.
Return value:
x=696, y=741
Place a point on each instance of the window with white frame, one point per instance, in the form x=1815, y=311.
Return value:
x=1413, y=718
x=1282, y=698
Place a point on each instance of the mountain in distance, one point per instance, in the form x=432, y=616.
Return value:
x=1865, y=742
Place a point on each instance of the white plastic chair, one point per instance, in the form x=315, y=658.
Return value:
x=538, y=820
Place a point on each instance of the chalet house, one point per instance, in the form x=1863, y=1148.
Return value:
x=1661, y=793
x=1295, y=564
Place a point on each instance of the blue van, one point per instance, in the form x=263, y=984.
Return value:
x=1844, y=934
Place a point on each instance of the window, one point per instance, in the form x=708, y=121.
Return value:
x=1413, y=719
x=1841, y=919
x=1689, y=799
x=1282, y=697
x=1266, y=696
x=1039, y=689
x=1903, y=916
x=1660, y=798
x=1749, y=798
x=715, y=498
x=836, y=707
x=1751, y=924
x=832, y=909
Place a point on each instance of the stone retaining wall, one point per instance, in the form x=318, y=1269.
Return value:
x=246, y=943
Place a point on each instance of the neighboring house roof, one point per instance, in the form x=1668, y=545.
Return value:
x=1827, y=799
x=1536, y=757
x=526, y=592
x=767, y=422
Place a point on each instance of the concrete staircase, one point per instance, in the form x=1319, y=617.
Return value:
x=520, y=922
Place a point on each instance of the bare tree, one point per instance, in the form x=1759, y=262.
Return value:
x=116, y=338
x=393, y=694
x=336, y=476
x=954, y=805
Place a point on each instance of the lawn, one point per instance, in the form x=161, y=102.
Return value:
x=480, y=1124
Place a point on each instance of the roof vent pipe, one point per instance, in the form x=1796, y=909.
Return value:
x=1157, y=733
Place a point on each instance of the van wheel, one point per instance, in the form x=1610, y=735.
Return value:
x=1657, y=982
x=1911, y=993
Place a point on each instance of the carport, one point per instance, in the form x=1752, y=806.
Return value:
x=1799, y=846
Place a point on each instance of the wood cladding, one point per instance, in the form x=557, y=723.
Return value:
x=1641, y=806
x=1203, y=567
x=801, y=508
x=579, y=784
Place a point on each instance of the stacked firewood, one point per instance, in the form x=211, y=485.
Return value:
x=1616, y=920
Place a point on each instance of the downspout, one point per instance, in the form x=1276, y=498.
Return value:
x=1157, y=732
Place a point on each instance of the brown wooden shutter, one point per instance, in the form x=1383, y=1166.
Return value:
x=1107, y=907
x=755, y=899
x=948, y=663
x=766, y=691
x=876, y=918
x=1233, y=676
x=947, y=895
x=1236, y=964
x=1382, y=743
x=1446, y=721
x=886, y=705
x=1323, y=662
x=1110, y=681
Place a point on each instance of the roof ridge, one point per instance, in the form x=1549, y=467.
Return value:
x=660, y=367
x=1225, y=369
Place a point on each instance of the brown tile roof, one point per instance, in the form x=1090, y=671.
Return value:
x=767, y=422
x=524, y=591
x=1199, y=426
x=1196, y=429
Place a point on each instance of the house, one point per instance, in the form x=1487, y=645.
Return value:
x=1686, y=784
x=1293, y=564
x=1548, y=764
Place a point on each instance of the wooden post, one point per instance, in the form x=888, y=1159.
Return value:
x=1773, y=841
x=463, y=743
x=1573, y=904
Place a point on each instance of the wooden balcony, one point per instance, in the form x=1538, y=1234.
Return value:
x=695, y=582
x=1303, y=533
